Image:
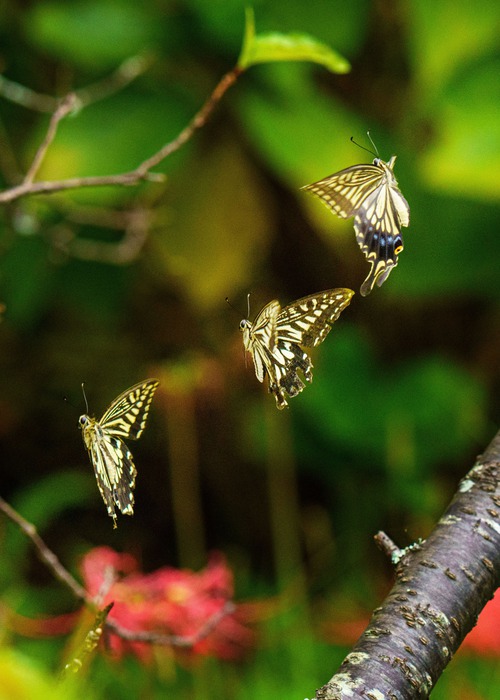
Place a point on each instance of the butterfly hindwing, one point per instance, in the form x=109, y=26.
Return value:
x=112, y=460
x=263, y=340
x=370, y=193
x=276, y=338
x=115, y=474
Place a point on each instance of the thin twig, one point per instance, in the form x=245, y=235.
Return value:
x=126, y=72
x=46, y=555
x=66, y=105
x=174, y=639
x=63, y=575
x=26, y=97
x=142, y=171
x=196, y=122
x=385, y=543
x=135, y=225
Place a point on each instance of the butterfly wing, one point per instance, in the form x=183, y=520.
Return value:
x=345, y=191
x=309, y=320
x=370, y=194
x=306, y=323
x=275, y=339
x=259, y=338
x=112, y=460
x=378, y=224
x=127, y=415
x=115, y=472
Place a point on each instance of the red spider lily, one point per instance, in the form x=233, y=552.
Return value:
x=484, y=639
x=167, y=601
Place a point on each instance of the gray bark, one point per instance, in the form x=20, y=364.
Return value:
x=441, y=587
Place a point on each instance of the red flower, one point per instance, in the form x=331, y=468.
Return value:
x=168, y=601
x=484, y=639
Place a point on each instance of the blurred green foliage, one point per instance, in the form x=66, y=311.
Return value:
x=405, y=389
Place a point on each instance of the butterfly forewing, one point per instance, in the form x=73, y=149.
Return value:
x=309, y=320
x=345, y=191
x=276, y=337
x=112, y=460
x=370, y=193
x=128, y=413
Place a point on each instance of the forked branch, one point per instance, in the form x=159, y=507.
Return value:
x=132, y=177
x=62, y=574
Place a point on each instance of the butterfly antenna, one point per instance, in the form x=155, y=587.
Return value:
x=245, y=354
x=85, y=396
x=66, y=400
x=372, y=143
x=374, y=153
x=231, y=306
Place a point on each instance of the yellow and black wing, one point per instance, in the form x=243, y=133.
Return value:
x=276, y=338
x=113, y=463
x=370, y=193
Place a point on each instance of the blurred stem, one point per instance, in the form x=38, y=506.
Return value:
x=286, y=534
x=66, y=105
x=283, y=500
x=185, y=481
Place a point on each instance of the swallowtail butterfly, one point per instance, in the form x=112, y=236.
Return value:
x=112, y=460
x=275, y=338
x=370, y=193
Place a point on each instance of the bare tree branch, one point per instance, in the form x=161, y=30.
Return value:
x=173, y=639
x=135, y=225
x=63, y=575
x=26, y=97
x=126, y=72
x=46, y=555
x=142, y=172
x=66, y=105
x=441, y=587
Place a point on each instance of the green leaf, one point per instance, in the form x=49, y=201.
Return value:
x=264, y=48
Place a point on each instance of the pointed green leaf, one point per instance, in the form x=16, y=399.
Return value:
x=264, y=48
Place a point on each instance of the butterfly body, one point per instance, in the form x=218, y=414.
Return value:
x=370, y=194
x=276, y=339
x=112, y=460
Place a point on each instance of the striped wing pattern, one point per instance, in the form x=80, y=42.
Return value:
x=276, y=338
x=112, y=460
x=370, y=193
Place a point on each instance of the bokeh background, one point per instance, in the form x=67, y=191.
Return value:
x=114, y=285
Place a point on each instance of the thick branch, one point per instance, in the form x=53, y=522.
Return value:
x=441, y=587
